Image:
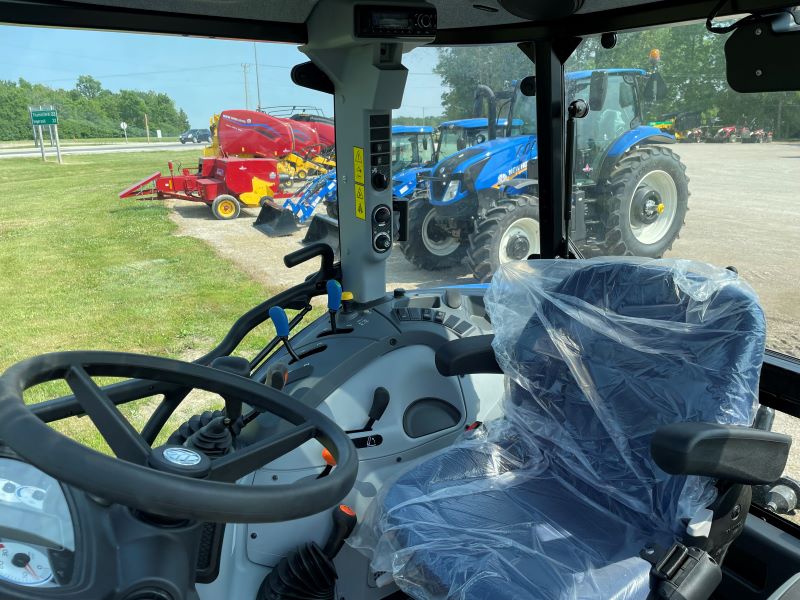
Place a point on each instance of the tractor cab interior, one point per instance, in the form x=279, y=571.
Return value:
x=560, y=407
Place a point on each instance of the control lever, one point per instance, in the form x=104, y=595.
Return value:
x=344, y=521
x=380, y=401
x=281, y=323
x=238, y=366
x=330, y=462
x=334, y=301
x=277, y=376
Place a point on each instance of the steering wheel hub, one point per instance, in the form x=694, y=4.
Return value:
x=180, y=461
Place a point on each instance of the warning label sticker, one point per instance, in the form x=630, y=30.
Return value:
x=361, y=202
x=358, y=164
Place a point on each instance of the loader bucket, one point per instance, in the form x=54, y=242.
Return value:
x=275, y=221
x=323, y=229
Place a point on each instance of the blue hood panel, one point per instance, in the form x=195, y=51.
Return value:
x=484, y=166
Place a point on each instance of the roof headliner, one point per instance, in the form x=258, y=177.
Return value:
x=284, y=20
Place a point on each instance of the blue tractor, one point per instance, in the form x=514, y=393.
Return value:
x=631, y=192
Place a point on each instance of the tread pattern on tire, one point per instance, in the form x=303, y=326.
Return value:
x=613, y=243
x=479, y=254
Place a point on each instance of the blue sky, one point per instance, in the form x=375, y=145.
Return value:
x=203, y=76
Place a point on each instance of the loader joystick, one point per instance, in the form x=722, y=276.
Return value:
x=334, y=301
x=281, y=323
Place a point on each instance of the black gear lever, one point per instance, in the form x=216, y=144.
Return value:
x=380, y=401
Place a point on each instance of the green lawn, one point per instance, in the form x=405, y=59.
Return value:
x=82, y=269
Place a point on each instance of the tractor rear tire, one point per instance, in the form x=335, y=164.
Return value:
x=430, y=246
x=509, y=231
x=225, y=207
x=643, y=177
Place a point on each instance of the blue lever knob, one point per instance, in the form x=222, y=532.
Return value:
x=280, y=321
x=334, y=295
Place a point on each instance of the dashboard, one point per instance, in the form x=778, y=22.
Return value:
x=37, y=537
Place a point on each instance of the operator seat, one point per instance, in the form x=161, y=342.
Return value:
x=557, y=499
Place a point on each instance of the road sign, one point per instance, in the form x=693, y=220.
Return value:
x=123, y=126
x=44, y=117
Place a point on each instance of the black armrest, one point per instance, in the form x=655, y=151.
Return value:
x=726, y=452
x=466, y=356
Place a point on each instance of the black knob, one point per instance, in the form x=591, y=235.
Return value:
x=382, y=215
x=20, y=559
x=382, y=242
x=379, y=181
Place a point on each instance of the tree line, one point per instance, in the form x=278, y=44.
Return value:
x=88, y=110
x=692, y=65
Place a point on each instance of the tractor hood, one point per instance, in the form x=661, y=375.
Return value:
x=405, y=182
x=479, y=167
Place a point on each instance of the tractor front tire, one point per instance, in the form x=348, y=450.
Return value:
x=225, y=207
x=646, y=203
x=508, y=232
x=430, y=246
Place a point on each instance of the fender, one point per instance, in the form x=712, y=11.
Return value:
x=643, y=134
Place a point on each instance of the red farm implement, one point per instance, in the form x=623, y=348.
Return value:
x=225, y=184
x=240, y=167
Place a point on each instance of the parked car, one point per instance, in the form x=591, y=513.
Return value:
x=196, y=136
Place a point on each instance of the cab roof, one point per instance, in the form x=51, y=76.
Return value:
x=401, y=129
x=474, y=22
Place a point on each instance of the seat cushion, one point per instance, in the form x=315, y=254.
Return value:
x=528, y=537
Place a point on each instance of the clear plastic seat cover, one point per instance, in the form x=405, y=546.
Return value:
x=556, y=499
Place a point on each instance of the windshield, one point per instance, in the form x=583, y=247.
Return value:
x=454, y=139
x=411, y=150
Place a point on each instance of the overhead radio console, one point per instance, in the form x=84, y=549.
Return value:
x=382, y=21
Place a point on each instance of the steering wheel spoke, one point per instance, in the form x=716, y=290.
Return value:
x=246, y=460
x=118, y=433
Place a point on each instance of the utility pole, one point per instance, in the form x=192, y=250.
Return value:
x=246, y=99
x=258, y=83
x=778, y=128
x=147, y=128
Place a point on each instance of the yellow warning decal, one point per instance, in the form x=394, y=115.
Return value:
x=358, y=165
x=361, y=202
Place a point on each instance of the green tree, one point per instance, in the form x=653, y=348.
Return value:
x=88, y=87
x=463, y=69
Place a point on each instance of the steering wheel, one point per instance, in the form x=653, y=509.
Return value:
x=171, y=481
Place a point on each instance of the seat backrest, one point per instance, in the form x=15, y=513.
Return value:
x=601, y=353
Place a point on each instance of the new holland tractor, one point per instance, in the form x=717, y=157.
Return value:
x=631, y=192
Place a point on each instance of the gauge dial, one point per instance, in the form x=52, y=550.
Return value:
x=23, y=565
x=32, y=496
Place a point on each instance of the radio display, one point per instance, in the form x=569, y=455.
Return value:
x=391, y=20
x=395, y=21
